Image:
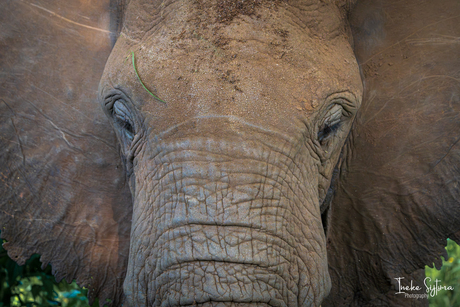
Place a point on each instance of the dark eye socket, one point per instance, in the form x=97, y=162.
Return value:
x=122, y=117
x=125, y=124
x=327, y=130
x=331, y=123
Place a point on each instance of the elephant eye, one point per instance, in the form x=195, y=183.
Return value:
x=123, y=119
x=327, y=131
x=331, y=124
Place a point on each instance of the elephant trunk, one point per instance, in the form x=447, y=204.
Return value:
x=222, y=220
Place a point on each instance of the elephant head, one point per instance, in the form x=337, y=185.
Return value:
x=196, y=167
x=229, y=163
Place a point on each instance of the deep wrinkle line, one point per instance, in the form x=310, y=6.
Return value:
x=262, y=231
x=282, y=193
x=257, y=228
x=179, y=266
x=275, y=179
x=234, y=225
x=275, y=150
x=236, y=118
x=282, y=166
x=283, y=180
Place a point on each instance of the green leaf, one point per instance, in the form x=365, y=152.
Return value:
x=142, y=83
x=449, y=274
x=29, y=285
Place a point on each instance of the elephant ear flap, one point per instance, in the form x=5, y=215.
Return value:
x=398, y=194
x=62, y=194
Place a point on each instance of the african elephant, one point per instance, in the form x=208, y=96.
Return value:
x=211, y=152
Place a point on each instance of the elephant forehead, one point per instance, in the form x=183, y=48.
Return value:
x=302, y=41
x=251, y=79
x=268, y=70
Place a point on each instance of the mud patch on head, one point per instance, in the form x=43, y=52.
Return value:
x=226, y=10
x=229, y=9
x=281, y=32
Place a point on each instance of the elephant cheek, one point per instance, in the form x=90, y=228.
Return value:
x=216, y=230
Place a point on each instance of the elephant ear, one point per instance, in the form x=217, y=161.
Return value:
x=397, y=196
x=63, y=192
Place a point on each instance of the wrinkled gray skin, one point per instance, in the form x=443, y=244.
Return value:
x=228, y=176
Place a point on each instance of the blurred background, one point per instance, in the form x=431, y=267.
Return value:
x=29, y=285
